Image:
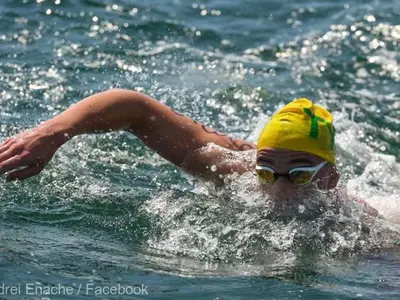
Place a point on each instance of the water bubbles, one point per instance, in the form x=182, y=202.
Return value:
x=114, y=7
x=370, y=18
x=134, y=11
x=375, y=44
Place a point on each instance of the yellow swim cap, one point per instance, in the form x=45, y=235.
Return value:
x=301, y=126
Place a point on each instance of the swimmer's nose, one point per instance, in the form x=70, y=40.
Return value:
x=283, y=182
x=282, y=189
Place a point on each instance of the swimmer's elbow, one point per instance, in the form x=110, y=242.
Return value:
x=213, y=166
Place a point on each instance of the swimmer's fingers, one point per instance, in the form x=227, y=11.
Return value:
x=5, y=145
x=9, y=148
x=7, y=154
x=25, y=173
x=11, y=161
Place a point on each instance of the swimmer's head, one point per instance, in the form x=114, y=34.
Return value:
x=298, y=143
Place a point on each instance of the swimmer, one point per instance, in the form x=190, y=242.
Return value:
x=295, y=151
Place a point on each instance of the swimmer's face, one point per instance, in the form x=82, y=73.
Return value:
x=283, y=160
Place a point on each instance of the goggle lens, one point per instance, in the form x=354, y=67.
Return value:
x=301, y=177
x=266, y=176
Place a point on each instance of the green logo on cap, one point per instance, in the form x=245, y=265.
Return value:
x=314, y=126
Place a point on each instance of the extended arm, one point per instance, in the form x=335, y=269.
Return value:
x=171, y=134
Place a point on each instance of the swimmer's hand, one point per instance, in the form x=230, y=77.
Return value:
x=27, y=153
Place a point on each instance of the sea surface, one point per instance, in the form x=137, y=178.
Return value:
x=107, y=213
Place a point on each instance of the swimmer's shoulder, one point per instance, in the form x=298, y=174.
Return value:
x=367, y=208
x=341, y=195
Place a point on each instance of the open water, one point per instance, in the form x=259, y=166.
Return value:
x=108, y=212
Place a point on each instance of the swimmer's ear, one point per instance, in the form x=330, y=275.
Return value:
x=334, y=176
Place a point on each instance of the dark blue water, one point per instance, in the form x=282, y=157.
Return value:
x=109, y=213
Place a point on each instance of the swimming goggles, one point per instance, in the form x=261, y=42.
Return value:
x=298, y=175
